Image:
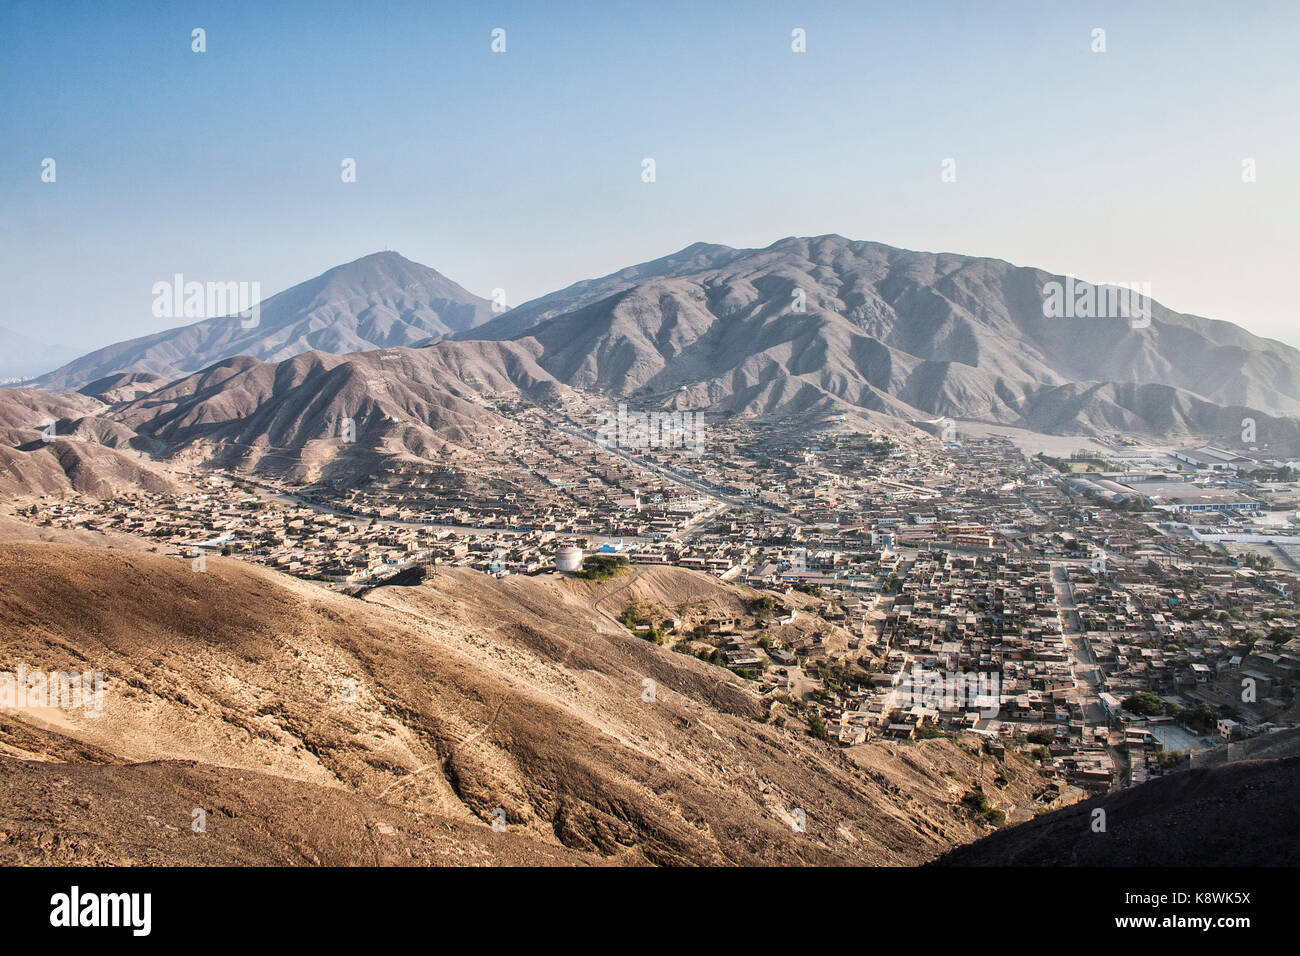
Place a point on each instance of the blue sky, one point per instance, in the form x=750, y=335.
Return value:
x=522, y=170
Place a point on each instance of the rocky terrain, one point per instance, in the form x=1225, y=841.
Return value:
x=60, y=444
x=287, y=417
x=903, y=333
x=306, y=722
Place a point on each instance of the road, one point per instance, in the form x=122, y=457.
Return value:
x=269, y=492
x=1089, y=681
x=1087, y=673
x=692, y=527
x=672, y=474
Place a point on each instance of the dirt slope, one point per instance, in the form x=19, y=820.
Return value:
x=452, y=699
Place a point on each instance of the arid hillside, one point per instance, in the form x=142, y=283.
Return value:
x=318, y=720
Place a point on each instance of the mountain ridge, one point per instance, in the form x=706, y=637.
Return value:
x=820, y=327
x=905, y=333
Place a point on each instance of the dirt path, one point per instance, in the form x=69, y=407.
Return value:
x=601, y=600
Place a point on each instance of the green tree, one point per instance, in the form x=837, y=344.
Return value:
x=818, y=726
x=1145, y=704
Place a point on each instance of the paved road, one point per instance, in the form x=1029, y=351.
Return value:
x=1087, y=674
x=696, y=524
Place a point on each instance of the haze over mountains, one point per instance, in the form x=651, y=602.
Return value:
x=904, y=333
x=524, y=693
x=21, y=356
x=884, y=333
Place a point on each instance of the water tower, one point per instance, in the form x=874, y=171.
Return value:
x=568, y=559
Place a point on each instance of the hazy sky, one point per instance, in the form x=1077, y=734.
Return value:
x=522, y=170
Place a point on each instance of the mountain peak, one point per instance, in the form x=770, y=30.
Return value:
x=387, y=262
x=385, y=256
x=381, y=300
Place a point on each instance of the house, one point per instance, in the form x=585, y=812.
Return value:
x=1229, y=729
x=742, y=657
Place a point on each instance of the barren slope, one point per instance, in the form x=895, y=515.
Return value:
x=911, y=334
x=455, y=698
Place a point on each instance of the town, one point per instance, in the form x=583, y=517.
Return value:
x=1108, y=615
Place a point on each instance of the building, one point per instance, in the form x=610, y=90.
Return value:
x=1210, y=458
x=1185, y=497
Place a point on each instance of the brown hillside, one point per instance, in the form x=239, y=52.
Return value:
x=470, y=694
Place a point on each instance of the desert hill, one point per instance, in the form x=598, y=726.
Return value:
x=108, y=814
x=806, y=327
x=448, y=699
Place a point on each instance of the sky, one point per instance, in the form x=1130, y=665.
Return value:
x=522, y=170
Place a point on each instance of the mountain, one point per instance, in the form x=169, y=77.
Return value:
x=696, y=258
x=226, y=690
x=902, y=333
x=53, y=443
x=311, y=417
x=64, y=467
x=116, y=819
x=887, y=335
x=123, y=386
x=22, y=357
x=290, y=416
x=379, y=301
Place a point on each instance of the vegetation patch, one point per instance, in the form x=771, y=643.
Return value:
x=598, y=567
x=983, y=809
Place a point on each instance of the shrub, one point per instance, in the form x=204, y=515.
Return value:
x=598, y=567
x=976, y=800
x=818, y=727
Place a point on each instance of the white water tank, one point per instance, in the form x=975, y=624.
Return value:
x=568, y=559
